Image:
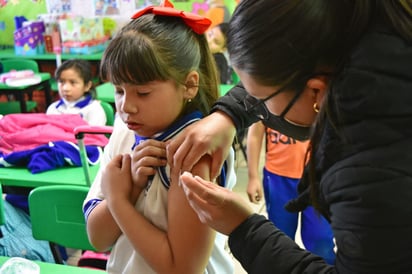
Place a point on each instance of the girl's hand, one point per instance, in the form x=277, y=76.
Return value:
x=145, y=158
x=117, y=179
x=220, y=208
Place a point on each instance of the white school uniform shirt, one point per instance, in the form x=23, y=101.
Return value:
x=153, y=205
x=90, y=110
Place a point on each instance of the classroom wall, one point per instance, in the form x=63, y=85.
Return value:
x=32, y=8
x=9, y=9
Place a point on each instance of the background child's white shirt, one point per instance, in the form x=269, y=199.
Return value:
x=153, y=205
x=92, y=113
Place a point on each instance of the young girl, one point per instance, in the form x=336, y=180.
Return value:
x=216, y=37
x=74, y=78
x=283, y=167
x=165, y=79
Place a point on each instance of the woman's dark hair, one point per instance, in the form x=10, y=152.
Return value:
x=284, y=42
x=162, y=48
x=82, y=67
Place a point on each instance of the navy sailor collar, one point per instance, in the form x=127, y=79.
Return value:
x=84, y=101
x=169, y=133
x=173, y=130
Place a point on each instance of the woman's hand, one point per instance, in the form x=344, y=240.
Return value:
x=145, y=158
x=212, y=135
x=220, y=208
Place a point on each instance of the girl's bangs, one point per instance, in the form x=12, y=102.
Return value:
x=132, y=60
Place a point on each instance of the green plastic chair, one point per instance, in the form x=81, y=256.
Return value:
x=109, y=111
x=19, y=64
x=7, y=65
x=14, y=107
x=235, y=78
x=105, y=92
x=224, y=88
x=57, y=217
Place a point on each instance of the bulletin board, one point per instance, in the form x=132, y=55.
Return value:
x=120, y=10
x=11, y=8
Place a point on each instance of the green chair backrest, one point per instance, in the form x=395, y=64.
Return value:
x=57, y=216
x=105, y=92
x=109, y=111
x=19, y=64
x=235, y=78
x=14, y=107
x=223, y=89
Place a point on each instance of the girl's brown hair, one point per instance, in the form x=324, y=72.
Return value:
x=154, y=47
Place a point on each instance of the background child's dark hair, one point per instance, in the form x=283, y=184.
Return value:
x=224, y=27
x=84, y=70
x=154, y=47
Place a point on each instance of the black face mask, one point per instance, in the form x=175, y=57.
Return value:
x=257, y=107
x=300, y=133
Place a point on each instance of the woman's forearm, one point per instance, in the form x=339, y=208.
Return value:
x=261, y=247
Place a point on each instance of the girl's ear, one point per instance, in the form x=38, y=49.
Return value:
x=88, y=86
x=192, y=85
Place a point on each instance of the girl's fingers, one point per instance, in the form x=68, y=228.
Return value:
x=126, y=162
x=116, y=161
x=177, y=152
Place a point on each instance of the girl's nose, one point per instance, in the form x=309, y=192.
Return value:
x=128, y=106
x=65, y=86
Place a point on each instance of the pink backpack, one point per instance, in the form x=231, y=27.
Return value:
x=96, y=260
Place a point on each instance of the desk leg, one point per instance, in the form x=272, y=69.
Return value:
x=47, y=94
x=20, y=96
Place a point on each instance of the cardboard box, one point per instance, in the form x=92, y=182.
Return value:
x=27, y=50
x=80, y=29
x=28, y=40
x=29, y=45
x=28, y=29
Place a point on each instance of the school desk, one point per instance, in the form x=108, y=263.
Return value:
x=22, y=177
x=20, y=91
x=49, y=268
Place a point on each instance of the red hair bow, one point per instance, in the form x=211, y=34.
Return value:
x=197, y=23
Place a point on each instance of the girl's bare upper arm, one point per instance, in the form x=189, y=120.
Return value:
x=191, y=240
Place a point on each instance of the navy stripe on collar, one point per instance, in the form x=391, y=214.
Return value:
x=174, y=129
x=81, y=104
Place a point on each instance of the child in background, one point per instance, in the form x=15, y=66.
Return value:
x=218, y=12
x=165, y=79
x=74, y=79
x=284, y=163
x=216, y=37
